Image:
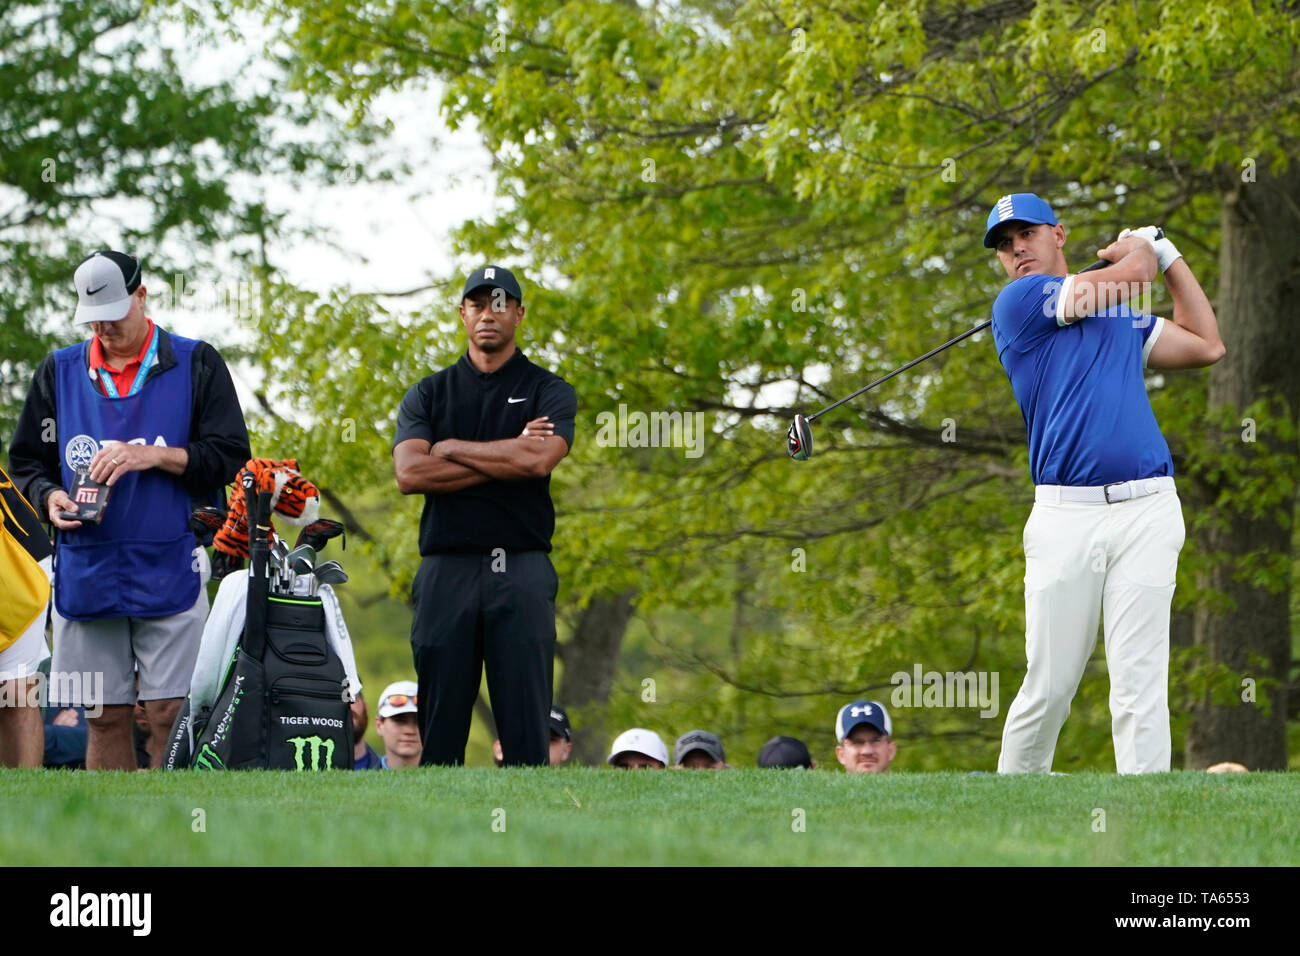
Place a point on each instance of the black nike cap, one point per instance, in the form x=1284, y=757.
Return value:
x=493, y=277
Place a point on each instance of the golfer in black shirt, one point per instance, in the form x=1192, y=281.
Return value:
x=479, y=441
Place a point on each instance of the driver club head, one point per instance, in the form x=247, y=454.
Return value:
x=798, y=440
x=320, y=531
x=207, y=519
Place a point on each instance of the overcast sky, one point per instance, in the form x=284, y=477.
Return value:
x=381, y=237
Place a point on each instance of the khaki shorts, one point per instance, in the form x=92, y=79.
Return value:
x=95, y=662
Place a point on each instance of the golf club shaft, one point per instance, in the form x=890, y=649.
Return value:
x=1099, y=264
x=902, y=368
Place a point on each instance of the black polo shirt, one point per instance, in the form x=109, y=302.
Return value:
x=462, y=402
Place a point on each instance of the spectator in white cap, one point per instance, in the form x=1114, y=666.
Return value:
x=638, y=749
x=397, y=725
x=699, y=750
x=865, y=733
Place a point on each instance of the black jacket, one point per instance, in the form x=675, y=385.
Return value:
x=218, y=445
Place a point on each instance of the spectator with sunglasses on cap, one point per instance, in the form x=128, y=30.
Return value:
x=398, y=726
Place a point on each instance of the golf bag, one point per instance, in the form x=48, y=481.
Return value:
x=282, y=702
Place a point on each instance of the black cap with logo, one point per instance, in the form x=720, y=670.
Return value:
x=559, y=722
x=493, y=277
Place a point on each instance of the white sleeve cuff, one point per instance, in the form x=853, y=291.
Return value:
x=1151, y=339
x=1062, y=298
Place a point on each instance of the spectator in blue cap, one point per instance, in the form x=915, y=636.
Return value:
x=865, y=735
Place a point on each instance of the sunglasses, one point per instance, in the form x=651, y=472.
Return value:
x=399, y=700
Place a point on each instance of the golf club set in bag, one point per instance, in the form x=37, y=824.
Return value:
x=275, y=673
x=798, y=439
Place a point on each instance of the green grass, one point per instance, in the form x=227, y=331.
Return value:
x=585, y=816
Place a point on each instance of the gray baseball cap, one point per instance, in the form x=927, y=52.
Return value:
x=698, y=740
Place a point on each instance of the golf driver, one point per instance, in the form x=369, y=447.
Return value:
x=207, y=520
x=798, y=439
x=320, y=531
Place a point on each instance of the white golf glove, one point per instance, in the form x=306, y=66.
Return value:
x=1166, y=252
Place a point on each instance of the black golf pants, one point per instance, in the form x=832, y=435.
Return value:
x=476, y=610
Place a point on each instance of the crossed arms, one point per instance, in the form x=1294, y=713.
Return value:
x=451, y=464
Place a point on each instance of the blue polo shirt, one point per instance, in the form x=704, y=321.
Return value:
x=1080, y=386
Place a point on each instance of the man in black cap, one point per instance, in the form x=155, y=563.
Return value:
x=786, y=752
x=561, y=739
x=561, y=736
x=479, y=440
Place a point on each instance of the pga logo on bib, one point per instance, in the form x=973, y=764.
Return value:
x=82, y=448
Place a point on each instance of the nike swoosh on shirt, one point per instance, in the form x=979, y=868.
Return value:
x=97, y=291
x=513, y=401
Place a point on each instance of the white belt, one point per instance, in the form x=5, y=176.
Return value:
x=1108, y=494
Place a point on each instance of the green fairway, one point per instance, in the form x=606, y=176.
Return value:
x=583, y=816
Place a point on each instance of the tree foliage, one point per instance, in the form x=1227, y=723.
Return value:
x=107, y=140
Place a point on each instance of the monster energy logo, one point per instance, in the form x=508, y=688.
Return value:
x=317, y=745
x=208, y=759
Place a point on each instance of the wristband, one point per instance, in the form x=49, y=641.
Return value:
x=1166, y=252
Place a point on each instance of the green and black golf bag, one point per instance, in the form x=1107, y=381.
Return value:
x=283, y=702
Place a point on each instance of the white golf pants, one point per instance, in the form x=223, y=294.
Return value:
x=1087, y=561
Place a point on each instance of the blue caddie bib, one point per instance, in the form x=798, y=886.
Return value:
x=140, y=560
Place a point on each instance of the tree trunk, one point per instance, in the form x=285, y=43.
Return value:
x=590, y=660
x=1259, y=279
x=740, y=626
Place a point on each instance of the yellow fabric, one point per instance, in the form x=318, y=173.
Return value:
x=24, y=588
